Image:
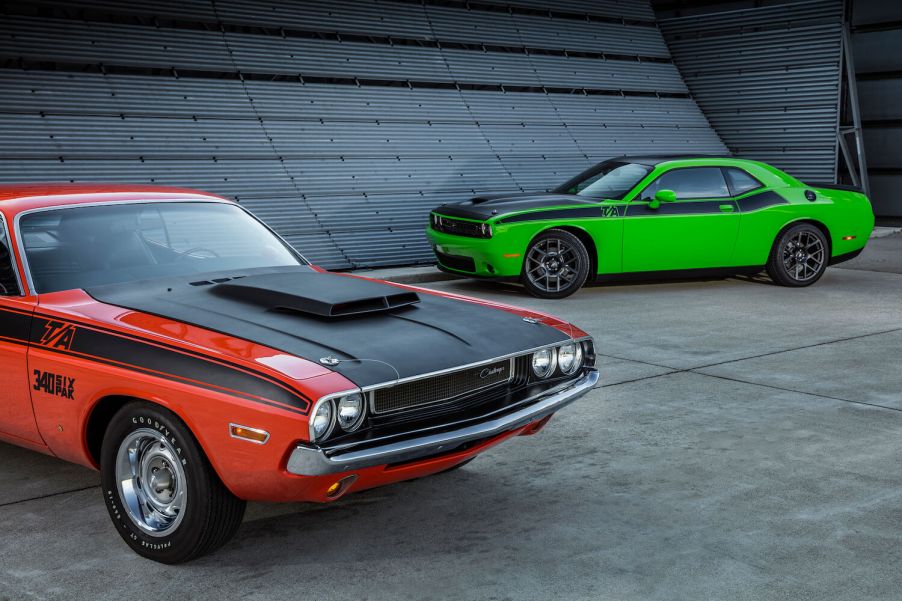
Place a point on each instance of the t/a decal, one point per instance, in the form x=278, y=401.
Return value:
x=55, y=384
x=610, y=212
x=58, y=335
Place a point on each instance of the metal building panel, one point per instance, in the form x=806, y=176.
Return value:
x=767, y=79
x=629, y=9
x=93, y=42
x=367, y=17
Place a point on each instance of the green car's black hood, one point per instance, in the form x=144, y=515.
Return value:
x=377, y=331
x=486, y=207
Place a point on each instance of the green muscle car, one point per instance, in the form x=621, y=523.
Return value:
x=650, y=216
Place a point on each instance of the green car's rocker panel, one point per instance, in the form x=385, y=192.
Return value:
x=628, y=235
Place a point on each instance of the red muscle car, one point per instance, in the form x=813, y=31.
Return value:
x=171, y=340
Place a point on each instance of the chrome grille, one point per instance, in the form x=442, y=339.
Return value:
x=436, y=389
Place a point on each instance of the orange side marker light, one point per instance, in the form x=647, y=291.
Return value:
x=249, y=434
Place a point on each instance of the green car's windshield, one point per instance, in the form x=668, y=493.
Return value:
x=609, y=180
x=87, y=246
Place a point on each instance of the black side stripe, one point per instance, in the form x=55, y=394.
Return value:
x=760, y=201
x=14, y=326
x=118, y=349
x=176, y=364
x=686, y=207
x=576, y=213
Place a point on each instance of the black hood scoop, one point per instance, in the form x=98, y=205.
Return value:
x=323, y=295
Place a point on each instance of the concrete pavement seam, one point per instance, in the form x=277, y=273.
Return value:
x=823, y=396
x=54, y=494
x=798, y=348
x=768, y=354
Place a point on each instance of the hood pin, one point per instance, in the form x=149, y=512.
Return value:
x=330, y=360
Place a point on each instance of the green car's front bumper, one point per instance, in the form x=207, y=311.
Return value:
x=475, y=257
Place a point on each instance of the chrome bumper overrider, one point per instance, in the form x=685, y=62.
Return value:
x=311, y=461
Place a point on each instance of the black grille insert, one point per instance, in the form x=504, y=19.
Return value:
x=445, y=387
x=458, y=227
x=457, y=262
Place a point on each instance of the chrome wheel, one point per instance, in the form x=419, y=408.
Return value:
x=552, y=265
x=151, y=481
x=803, y=256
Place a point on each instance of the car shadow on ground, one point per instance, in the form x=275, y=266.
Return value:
x=476, y=287
x=436, y=515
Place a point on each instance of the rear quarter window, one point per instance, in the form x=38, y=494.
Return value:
x=741, y=181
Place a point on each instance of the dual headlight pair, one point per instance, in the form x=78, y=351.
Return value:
x=347, y=411
x=569, y=357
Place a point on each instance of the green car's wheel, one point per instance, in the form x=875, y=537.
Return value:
x=556, y=265
x=799, y=257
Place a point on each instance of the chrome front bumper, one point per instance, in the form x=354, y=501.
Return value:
x=311, y=461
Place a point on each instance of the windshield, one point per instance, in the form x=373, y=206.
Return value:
x=110, y=244
x=610, y=180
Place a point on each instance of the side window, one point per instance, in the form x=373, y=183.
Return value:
x=740, y=181
x=689, y=183
x=9, y=285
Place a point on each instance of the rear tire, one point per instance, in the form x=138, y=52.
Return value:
x=166, y=501
x=799, y=257
x=555, y=265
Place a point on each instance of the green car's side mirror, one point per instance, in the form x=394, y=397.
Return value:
x=662, y=196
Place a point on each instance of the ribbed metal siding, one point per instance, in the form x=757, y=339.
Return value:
x=767, y=79
x=346, y=173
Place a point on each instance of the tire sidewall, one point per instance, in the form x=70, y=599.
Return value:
x=777, y=270
x=182, y=542
x=582, y=274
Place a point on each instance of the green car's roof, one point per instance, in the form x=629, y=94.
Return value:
x=666, y=158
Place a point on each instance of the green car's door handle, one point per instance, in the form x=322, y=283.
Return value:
x=726, y=208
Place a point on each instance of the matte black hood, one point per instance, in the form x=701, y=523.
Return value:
x=486, y=207
x=288, y=308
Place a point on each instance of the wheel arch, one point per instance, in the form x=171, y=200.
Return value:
x=584, y=237
x=102, y=412
x=816, y=223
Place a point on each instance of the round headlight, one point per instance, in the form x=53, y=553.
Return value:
x=350, y=411
x=321, y=423
x=570, y=357
x=543, y=362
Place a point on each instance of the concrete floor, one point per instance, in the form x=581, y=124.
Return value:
x=746, y=444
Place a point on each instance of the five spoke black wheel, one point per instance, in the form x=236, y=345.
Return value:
x=800, y=256
x=556, y=265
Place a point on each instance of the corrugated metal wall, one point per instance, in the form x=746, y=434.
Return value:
x=877, y=48
x=766, y=77
x=340, y=122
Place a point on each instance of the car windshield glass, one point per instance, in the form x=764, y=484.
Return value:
x=81, y=247
x=610, y=180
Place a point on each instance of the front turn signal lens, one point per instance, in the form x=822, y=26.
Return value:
x=254, y=435
x=848, y=237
